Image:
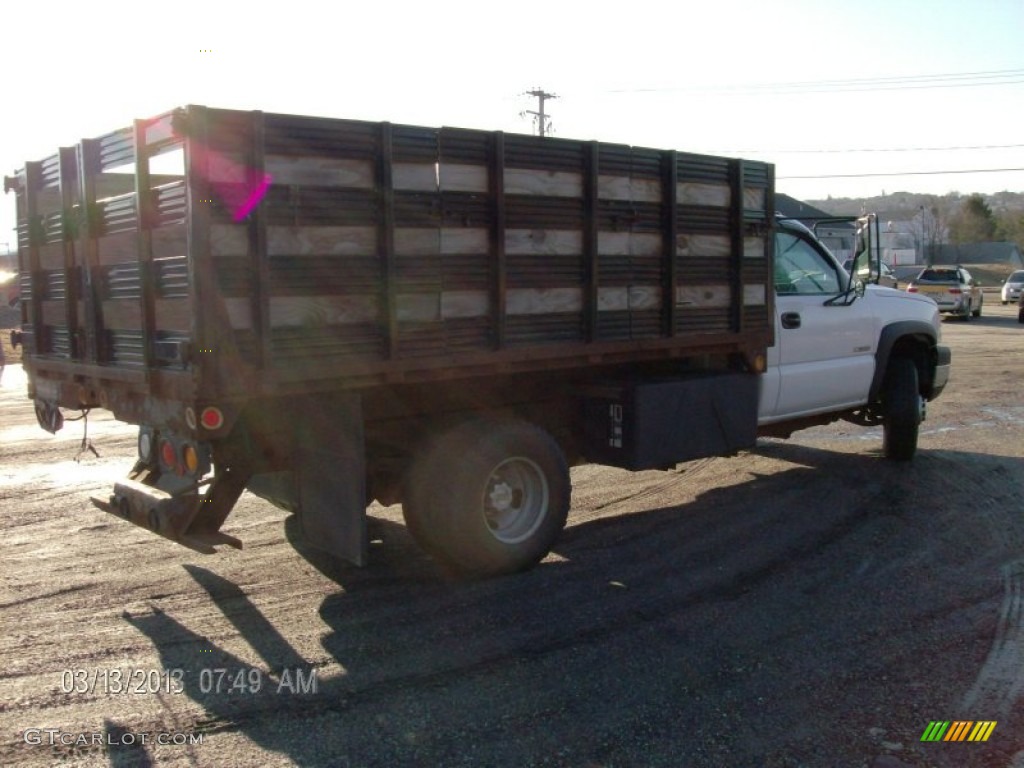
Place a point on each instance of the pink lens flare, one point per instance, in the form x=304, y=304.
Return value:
x=254, y=198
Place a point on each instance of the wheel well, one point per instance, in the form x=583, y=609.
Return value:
x=917, y=350
x=914, y=340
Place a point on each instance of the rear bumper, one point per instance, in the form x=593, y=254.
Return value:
x=943, y=360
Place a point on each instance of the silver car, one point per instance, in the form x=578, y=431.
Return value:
x=1012, y=286
x=952, y=288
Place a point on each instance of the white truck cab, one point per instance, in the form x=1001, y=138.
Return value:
x=845, y=349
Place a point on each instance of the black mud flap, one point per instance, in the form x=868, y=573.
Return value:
x=331, y=476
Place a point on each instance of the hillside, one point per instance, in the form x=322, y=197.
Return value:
x=903, y=206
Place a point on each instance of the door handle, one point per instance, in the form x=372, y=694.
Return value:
x=790, y=319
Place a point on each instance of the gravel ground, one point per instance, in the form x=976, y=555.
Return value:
x=806, y=603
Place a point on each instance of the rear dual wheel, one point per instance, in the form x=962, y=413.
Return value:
x=488, y=497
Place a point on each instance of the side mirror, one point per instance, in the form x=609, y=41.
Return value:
x=859, y=289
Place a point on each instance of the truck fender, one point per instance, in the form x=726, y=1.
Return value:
x=917, y=338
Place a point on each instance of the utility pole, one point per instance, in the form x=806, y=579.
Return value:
x=540, y=117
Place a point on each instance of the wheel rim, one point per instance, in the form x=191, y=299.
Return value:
x=515, y=500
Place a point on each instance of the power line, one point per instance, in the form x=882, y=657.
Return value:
x=867, y=149
x=902, y=82
x=902, y=173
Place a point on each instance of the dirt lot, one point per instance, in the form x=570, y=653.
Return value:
x=804, y=604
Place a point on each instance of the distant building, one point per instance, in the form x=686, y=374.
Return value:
x=792, y=208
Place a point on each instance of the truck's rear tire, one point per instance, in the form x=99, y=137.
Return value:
x=489, y=497
x=902, y=403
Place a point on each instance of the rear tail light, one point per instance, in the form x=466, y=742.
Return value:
x=190, y=459
x=211, y=418
x=911, y=288
x=955, y=290
x=145, y=446
x=168, y=455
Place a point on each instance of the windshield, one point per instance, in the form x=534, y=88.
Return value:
x=801, y=269
x=1016, y=277
x=939, y=276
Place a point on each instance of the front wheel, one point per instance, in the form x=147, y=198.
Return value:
x=977, y=312
x=489, y=497
x=902, y=409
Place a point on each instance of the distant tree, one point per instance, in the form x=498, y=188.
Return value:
x=1010, y=227
x=974, y=222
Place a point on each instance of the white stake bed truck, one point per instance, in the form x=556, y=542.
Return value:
x=328, y=312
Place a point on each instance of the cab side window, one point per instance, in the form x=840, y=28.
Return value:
x=801, y=270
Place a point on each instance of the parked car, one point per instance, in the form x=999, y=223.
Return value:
x=887, y=278
x=952, y=288
x=1012, y=287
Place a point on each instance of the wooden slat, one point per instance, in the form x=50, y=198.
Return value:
x=122, y=315
x=312, y=311
x=463, y=304
x=173, y=314
x=466, y=242
x=716, y=246
x=542, y=301
x=417, y=241
x=226, y=167
x=703, y=296
x=525, y=181
x=322, y=310
x=169, y=242
x=519, y=242
x=232, y=240
x=51, y=256
x=418, y=307
x=634, y=297
x=753, y=247
x=122, y=248
x=637, y=190
x=52, y=312
x=320, y=171
x=695, y=193
x=629, y=244
x=332, y=241
x=754, y=198
x=416, y=177
x=755, y=295
x=456, y=177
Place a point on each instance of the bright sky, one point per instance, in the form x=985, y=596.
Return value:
x=806, y=84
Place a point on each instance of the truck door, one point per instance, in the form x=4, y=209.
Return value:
x=823, y=357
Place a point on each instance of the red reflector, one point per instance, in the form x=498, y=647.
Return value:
x=211, y=418
x=168, y=455
x=912, y=289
